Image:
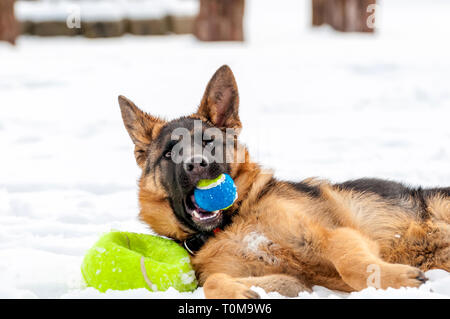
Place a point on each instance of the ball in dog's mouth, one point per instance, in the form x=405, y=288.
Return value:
x=201, y=217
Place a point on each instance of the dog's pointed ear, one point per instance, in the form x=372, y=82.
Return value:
x=220, y=103
x=141, y=127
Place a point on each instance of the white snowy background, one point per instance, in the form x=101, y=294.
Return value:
x=345, y=106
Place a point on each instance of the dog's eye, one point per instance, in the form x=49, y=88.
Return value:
x=168, y=154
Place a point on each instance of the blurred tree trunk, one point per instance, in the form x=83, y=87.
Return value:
x=9, y=28
x=318, y=12
x=344, y=15
x=220, y=20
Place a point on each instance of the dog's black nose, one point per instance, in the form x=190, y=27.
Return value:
x=196, y=166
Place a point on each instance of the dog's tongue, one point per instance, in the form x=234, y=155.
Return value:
x=201, y=213
x=198, y=208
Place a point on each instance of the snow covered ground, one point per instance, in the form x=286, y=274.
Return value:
x=355, y=105
x=103, y=10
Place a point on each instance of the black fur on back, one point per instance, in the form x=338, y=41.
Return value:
x=311, y=190
x=395, y=191
x=389, y=189
x=384, y=188
x=434, y=191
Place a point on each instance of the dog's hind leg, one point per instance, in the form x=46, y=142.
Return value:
x=357, y=260
x=442, y=254
x=438, y=201
x=219, y=286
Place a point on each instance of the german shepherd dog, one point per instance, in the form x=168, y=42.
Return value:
x=279, y=235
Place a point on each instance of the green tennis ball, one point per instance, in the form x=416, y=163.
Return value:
x=123, y=260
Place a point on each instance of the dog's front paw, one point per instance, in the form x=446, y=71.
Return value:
x=222, y=286
x=243, y=292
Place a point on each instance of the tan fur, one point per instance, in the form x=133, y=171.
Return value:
x=440, y=208
x=218, y=286
x=311, y=241
x=156, y=212
x=287, y=241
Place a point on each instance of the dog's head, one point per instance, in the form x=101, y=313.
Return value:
x=175, y=155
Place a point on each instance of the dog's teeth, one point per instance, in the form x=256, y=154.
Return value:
x=196, y=214
x=201, y=216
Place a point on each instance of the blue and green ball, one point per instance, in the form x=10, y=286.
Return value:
x=216, y=194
